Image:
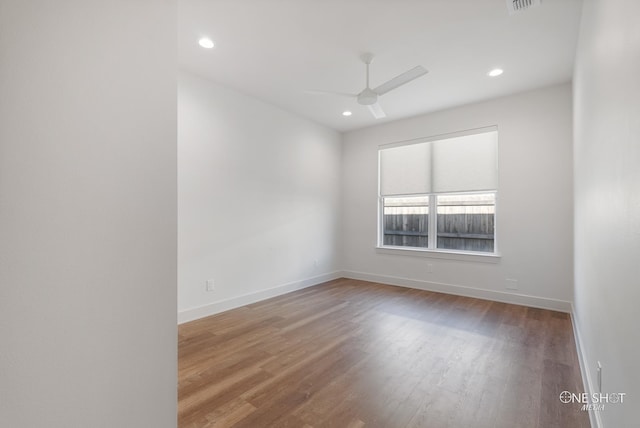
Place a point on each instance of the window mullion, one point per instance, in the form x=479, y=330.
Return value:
x=433, y=221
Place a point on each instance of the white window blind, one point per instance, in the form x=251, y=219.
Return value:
x=404, y=170
x=467, y=163
x=458, y=164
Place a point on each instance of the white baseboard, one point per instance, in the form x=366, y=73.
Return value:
x=589, y=387
x=246, y=299
x=458, y=290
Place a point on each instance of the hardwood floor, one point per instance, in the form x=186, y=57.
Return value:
x=358, y=354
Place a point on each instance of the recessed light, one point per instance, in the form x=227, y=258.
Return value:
x=206, y=43
x=495, y=72
x=346, y=113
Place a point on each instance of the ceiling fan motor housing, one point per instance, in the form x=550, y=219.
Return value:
x=367, y=97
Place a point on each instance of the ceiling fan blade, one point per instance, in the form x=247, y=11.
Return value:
x=376, y=111
x=400, y=80
x=339, y=94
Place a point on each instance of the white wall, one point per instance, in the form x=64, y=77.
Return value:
x=607, y=200
x=258, y=199
x=534, y=208
x=87, y=214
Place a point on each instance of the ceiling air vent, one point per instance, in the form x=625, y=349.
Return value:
x=516, y=6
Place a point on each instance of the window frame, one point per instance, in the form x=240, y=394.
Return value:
x=432, y=228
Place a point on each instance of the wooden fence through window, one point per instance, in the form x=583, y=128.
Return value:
x=464, y=232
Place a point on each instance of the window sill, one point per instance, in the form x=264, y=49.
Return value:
x=441, y=254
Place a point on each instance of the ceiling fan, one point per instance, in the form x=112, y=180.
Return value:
x=369, y=97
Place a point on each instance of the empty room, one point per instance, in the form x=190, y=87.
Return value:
x=301, y=213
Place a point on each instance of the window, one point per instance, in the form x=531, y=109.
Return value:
x=440, y=194
x=406, y=221
x=466, y=222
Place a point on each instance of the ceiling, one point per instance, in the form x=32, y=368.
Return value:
x=278, y=50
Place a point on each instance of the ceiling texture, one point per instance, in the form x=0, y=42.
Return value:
x=280, y=50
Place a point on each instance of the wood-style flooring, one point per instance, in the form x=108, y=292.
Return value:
x=353, y=354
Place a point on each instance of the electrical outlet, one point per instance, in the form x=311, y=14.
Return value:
x=429, y=267
x=599, y=377
x=511, y=284
x=315, y=263
x=211, y=285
